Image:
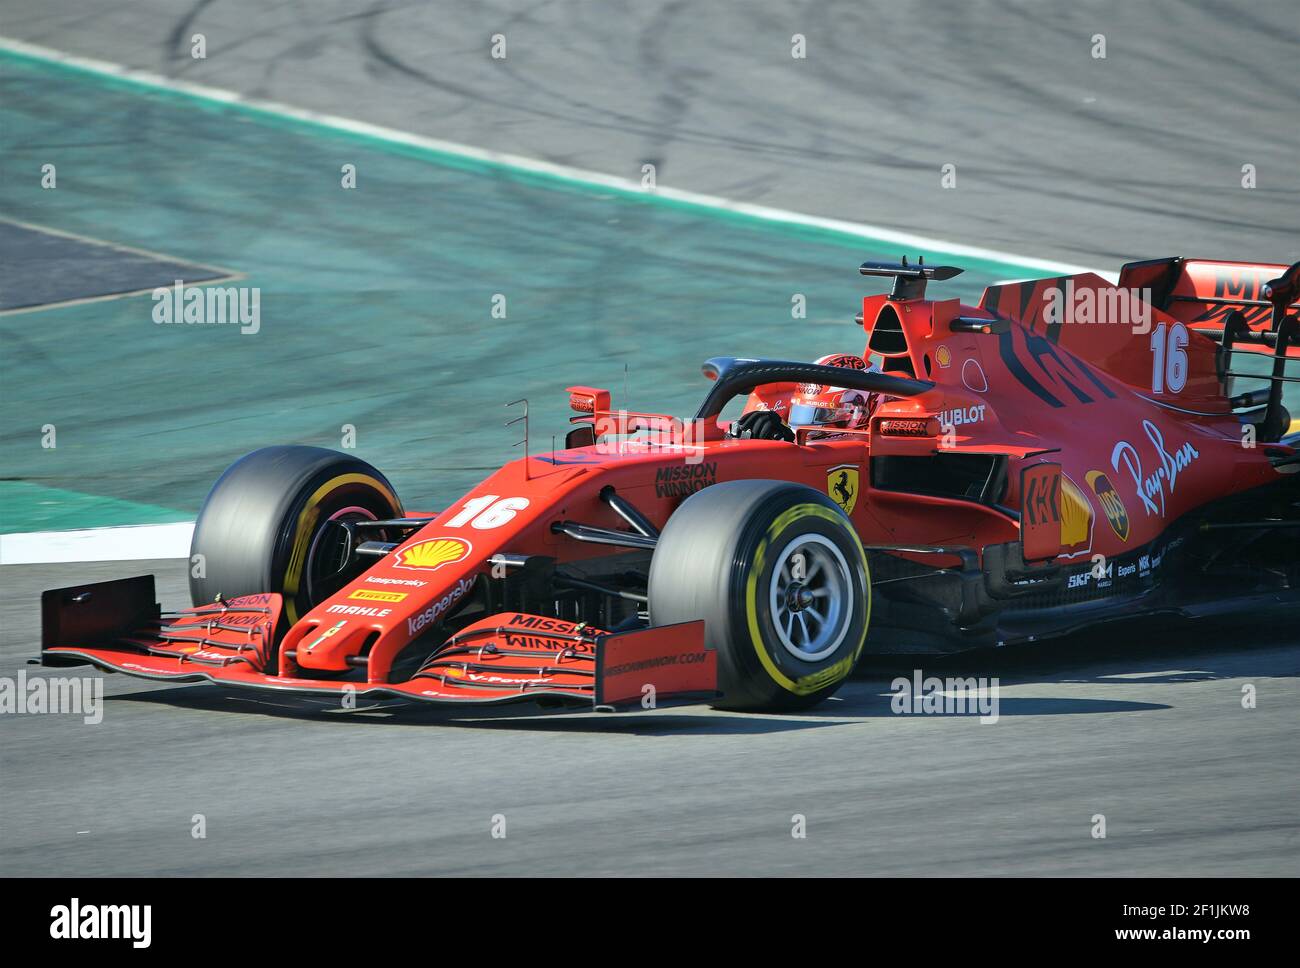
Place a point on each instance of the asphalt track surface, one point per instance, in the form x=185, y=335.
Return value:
x=1058, y=156
x=1144, y=728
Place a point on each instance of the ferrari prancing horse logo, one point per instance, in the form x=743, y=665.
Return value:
x=842, y=486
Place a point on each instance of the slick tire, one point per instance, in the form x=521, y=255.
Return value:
x=268, y=525
x=780, y=578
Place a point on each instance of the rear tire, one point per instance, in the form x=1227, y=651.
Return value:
x=265, y=526
x=780, y=578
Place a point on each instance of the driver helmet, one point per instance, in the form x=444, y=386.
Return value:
x=818, y=405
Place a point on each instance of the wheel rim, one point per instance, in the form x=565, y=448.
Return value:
x=325, y=568
x=811, y=597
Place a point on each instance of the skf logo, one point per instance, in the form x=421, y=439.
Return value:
x=842, y=486
x=370, y=595
x=1111, y=503
x=433, y=553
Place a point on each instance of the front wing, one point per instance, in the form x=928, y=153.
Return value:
x=510, y=657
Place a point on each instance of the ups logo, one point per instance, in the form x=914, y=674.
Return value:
x=1110, y=502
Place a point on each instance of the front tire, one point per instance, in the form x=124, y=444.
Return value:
x=781, y=580
x=267, y=526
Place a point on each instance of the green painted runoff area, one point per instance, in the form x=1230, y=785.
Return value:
x=376, y=303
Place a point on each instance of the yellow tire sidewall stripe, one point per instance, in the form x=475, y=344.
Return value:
x=804, y=685
x=307, y=523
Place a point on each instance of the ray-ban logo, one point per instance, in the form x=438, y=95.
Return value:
x=96, y=922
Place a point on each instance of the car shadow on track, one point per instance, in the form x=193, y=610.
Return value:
x=1135, y=654
x=522, y=716
x=1137, y=651
x=856, y=702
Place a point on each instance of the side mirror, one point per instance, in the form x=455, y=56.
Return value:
x=581, y=436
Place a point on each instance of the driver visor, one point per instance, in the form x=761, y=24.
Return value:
x=807, y=415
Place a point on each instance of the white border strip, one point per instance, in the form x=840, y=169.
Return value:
x=904, y=241
x=97, y=544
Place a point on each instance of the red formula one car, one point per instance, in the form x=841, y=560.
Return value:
x=1066, y=453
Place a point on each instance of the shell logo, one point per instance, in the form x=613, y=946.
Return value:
x=1076, y=519
x=433, y=553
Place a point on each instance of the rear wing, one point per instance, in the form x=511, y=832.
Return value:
x=1202, y=293
x=1240, y=305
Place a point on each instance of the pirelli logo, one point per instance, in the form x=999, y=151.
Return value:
x=371, y=595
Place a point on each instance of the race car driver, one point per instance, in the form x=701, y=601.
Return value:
x=811, y=405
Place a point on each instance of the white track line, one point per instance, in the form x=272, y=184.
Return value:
x=97, y=544
x=903, y=241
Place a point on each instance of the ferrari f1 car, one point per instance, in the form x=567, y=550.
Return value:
x=1063, y=454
